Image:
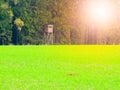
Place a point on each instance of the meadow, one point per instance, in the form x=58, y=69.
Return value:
x=84, y=67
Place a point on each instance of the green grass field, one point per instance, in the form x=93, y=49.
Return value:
x=60, y=67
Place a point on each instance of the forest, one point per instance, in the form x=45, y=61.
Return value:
x=22, y=22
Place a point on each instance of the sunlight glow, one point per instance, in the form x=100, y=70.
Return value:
x=100, y=11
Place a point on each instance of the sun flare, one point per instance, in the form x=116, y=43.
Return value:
x=100, y=11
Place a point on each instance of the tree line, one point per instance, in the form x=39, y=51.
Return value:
x=22, y=22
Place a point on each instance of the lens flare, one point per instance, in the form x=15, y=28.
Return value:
x=100, y=11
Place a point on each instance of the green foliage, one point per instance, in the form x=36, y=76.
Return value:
x=5, y=25
x=4, y=14
x=67, y=16
x=60, y=18
x=35, y=16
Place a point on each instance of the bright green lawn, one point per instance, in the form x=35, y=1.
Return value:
x=60, y=68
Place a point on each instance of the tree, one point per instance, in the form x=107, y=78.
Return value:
x=61, y=21
x=19, y=24
x=5, y=23
x=68, y=17
x=35, y=16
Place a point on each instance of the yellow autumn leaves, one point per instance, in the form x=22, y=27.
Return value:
x=19, y=23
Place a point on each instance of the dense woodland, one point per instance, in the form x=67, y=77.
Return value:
x=23, y=22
